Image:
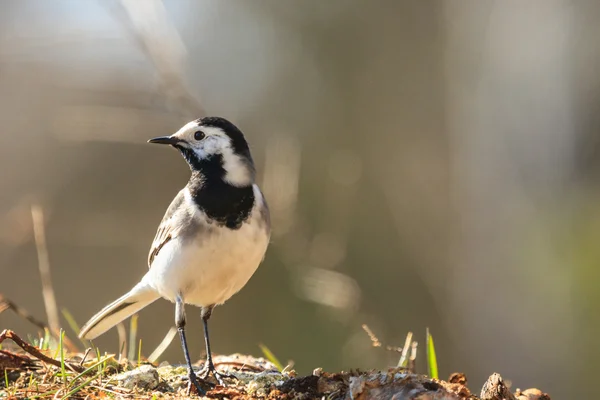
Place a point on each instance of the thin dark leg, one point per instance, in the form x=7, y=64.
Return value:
x=180, y=323
x=209, y=360
x=209, y=366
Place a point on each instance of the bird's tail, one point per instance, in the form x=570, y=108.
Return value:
x=125, y=306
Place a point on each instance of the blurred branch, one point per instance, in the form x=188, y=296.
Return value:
x=122, y=332
x=39, y=234
x=149, y=25
x=6, y=304
x=374, y=340
x=163, y=345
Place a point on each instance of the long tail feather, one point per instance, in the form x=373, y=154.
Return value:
x=125, y=306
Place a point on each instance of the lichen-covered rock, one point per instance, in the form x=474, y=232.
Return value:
x=143, y=377
x=174, y=376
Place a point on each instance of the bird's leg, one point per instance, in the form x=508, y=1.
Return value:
x=209, y=367
x=180, y=323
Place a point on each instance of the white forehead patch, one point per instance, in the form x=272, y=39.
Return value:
x=187, y=130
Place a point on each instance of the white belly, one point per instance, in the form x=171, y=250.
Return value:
x=212, y=268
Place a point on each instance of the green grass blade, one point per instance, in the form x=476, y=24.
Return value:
x=271, y=357
x=71, y=321
x=98, y=358
x=35, y=342
x=132, y=336
x=45, y=394
x=74, y=326
x=47, y=339
x=91, y=367
x=78, y=388
x=62, y=356
x=6, y=378
x=432, y=367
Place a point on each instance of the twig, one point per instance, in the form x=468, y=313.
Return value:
x=123, y=392
x=403, y=361
x=8, y=334
x=412, y=360
x=9, y=360
x=395, y=349
x=377, y=343
x=148, y=23
x=240, y=365
x=87, y=352
x=374, y=340
x=6, y=304
x=39, y=234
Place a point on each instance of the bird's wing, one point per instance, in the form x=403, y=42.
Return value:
x=169, y=227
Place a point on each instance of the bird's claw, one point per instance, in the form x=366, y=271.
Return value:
x=210, y=369
x=193, y=383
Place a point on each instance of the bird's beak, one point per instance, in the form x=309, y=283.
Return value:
x=165, y=140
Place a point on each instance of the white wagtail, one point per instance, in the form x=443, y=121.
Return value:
x=211, y=240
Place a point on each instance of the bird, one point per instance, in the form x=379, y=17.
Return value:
x=211, y=240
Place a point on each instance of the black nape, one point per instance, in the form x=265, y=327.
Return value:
x=238, y=141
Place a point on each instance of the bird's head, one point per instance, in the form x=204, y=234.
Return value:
x=214, y=147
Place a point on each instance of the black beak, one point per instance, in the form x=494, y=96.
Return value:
x=165, y=140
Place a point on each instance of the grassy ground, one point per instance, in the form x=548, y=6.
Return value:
x=38, y=371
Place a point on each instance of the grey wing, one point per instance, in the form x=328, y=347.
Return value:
x=168, y=227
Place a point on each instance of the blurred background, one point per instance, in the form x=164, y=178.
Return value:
x=427, y=163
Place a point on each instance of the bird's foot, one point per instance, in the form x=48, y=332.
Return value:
x=209, y=369
x=194, y=384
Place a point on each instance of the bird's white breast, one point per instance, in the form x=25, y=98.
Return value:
x=215, y=264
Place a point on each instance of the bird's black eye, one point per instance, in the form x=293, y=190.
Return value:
x=199, y=135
